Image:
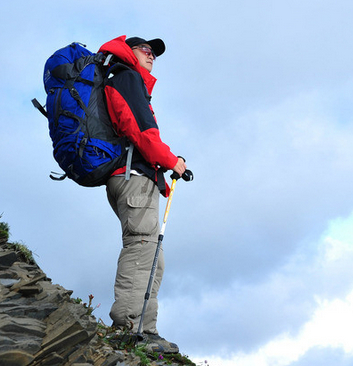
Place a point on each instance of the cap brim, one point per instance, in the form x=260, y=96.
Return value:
x=157, y=45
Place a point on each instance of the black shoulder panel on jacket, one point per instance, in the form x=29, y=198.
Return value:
x=131, y=87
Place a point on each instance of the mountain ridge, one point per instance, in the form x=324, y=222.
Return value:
x=42, y=325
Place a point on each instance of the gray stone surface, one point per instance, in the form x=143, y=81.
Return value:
x=7, y=258
x=39, y=322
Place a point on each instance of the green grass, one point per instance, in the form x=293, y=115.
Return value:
x=23, y=252
x=4, y=231
x=21, y=249
x=125, y=340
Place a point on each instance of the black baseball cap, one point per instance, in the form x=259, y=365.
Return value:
x=158, y=46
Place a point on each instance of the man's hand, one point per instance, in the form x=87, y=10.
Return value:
x=180, y=166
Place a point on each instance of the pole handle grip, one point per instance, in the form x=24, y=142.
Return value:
x=187, y=175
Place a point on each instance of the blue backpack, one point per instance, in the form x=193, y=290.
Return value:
x=86, y=146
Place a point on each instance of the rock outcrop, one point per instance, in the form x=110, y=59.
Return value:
x=41, y=325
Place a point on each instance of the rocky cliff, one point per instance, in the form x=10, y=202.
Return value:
x=40, y=324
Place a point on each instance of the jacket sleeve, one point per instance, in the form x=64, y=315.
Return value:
x=132, y=116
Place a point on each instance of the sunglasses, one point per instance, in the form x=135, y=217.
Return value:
x=148, y=51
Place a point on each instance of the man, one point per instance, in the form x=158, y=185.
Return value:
x=133, y=191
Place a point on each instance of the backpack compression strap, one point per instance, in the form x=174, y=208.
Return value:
x=130, y=150
x=61, y=176
x=40, y=107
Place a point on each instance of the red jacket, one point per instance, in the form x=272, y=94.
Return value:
x=128, y=94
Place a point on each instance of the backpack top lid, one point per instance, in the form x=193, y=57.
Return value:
x=66, y=55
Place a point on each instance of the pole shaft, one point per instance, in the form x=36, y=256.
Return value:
x=155, y=260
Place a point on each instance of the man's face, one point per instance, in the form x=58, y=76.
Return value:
x=145, y=56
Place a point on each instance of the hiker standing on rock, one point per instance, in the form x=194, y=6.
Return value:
x=133, y=190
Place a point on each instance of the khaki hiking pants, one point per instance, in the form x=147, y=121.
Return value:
x=136, y=203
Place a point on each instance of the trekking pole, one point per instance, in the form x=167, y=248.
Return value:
x=187, y=176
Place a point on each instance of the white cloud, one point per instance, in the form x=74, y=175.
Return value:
x=331, y=323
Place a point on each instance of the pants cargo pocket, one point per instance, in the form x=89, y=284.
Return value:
x=142, y=216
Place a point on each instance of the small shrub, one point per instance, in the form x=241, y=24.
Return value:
x=140, y=351
x=89, y=307
x=4, y=232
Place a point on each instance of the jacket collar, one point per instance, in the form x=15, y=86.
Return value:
x=120, y=49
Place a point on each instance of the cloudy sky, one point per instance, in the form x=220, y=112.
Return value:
x=258, y=97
